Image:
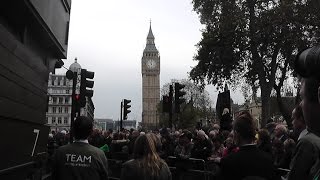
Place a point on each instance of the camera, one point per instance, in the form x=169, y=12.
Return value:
x=307, y=63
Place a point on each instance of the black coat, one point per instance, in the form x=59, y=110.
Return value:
x=226, y=122
x=79, y=161
x=248, y=161
x=202, y=149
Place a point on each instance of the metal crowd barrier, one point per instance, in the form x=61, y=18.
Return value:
x=181, y=169
x=188, y=169
x=184, y=169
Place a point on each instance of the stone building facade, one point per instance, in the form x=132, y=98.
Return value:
x=150, y=66
x=60, y=101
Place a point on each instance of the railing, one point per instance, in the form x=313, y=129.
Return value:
x=185, y=169
x=17, y=167
x=180, y=169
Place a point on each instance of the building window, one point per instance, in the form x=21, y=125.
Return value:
x=59, y=120
x=60, y=109
x=54, y=100
x=60, y=100
x=64, y=82
x=67, y=91
x=54, y=109
x=65, y=121
x=53, y=120
x=66, y=110
x=67, y=100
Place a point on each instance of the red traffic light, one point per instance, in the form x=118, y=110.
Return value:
x=77, y=97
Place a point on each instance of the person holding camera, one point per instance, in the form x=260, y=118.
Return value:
x=306, y=161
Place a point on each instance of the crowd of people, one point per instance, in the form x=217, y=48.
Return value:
x=210, y=143
x=239, y=149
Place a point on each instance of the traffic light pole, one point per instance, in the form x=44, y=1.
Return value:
x=121, y=116
x=73, y=106
x=170, y=110
x=79, y=93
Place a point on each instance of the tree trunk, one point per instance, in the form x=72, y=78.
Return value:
x=283, y=109
x=265, y=100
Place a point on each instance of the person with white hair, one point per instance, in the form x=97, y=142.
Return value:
x=226, y=120
x=281, y=132
x=225, y=111
x=64, y=132
x=185, y=145
x=216, y=127
x=202, y=148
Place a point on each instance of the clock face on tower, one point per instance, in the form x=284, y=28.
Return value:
x=151, y=64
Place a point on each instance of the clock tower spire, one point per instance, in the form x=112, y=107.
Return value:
x=150, y=46
x=150, y=68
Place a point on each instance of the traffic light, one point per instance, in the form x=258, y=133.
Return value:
x=167, y=101
x=126, y=109
x=84, y=92
x=178, y=92
x=166, y=104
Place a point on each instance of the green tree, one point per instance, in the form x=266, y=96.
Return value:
x=254, y=41
x=197, y=105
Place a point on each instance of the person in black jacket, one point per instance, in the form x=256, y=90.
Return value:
x=249, y=161
x=264, y=141
x=80, y=160
x=202, y=148
x=185, y=145
x=146, y=163
x=226, y=120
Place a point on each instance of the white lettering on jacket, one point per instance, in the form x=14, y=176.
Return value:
x=74, y=158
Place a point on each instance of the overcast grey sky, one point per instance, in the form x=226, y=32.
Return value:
x=108, y=37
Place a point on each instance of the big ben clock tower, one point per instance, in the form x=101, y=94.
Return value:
x=150, y=67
